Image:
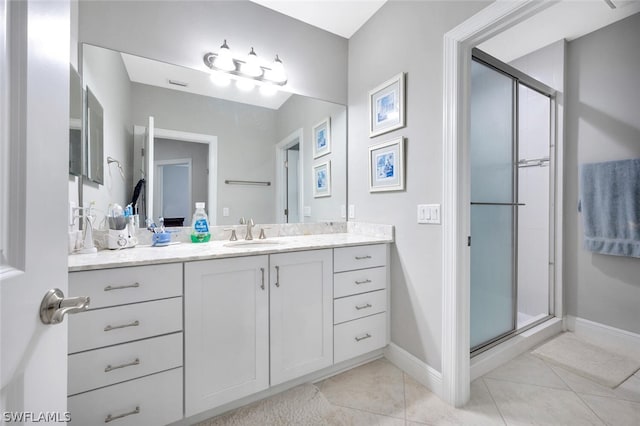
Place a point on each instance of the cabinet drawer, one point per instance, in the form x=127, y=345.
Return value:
x=360, y=336
x=358, y=306
x=359, y=257
x=104, y=327
x=360, y=281
x=151, y=400
x=115, y=364
x=110, y=287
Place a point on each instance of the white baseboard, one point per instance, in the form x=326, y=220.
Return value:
x=622, y=341
x=483, y=363
x=416, y=368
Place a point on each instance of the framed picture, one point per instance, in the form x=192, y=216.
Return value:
x=322, y=138
x=322, y=180
x=386, y=166
x=386, y=106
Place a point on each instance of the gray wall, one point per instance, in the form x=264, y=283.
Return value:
x=298, y=112
x=406, y=36
x=603, y=100
x=181, y=32
x=246, y=136
x=107, y=78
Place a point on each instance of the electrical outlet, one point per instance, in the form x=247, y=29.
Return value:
x=352, y=211
x=307, y=211
x=225, y=211
x=343, y=211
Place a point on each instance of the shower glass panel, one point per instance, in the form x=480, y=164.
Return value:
x=534, y=189
x=493, y=209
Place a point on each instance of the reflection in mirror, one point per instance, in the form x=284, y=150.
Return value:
x=95, y=139
x=75, y=122
x=244, y=154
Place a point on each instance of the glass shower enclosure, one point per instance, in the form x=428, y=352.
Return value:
x=511, y=160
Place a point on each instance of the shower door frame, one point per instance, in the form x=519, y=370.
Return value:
x=519, y=78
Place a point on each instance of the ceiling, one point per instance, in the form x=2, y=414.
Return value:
x=568, y=19
x=341, y=17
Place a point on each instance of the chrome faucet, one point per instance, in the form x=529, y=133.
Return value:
x=249, y=235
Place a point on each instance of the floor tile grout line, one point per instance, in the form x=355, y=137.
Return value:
x=366, y=411
x=528, y=384
x=590, y=409
x=494, y=401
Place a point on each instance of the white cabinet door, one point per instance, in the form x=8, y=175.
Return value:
x=301, y=313
x=226, y=308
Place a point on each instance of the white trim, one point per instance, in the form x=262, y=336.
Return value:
x=296, y=137
x=604, y=335
x=418, y=370
x=458, y=43
x=517, y=345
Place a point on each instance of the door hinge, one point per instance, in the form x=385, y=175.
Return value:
x=469, y=241
x=286, y=212
x=286, y=164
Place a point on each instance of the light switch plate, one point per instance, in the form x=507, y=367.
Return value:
x=429, y=213
x=343, y=211
x=225, y=211
x=352, y=211
x=307, y=211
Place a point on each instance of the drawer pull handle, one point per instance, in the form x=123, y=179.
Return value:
x=363, y=257
x=115, y=327
x=120, y=287
x=366, y=336
x=368, y=305
x=367, y=281
x=129, y=364
x=111, y=418
x=277, y=276
x=262, y=285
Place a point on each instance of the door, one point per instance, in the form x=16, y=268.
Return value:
x=301, y=313
x=173, y=189
x=226, y=308
x=493, y=204
x=34, y=138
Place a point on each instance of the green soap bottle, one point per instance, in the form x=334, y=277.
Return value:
x=200, y=225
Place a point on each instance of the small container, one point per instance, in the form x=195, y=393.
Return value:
x=200, y=225
x=161, y=239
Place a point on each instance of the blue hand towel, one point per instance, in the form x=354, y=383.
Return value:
x=610, y=205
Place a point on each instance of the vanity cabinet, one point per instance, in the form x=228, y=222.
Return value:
x=361, y=300
x=226, y=330
x=125, y=352
x=301, y=313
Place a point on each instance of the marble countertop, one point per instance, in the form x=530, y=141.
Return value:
x=185, y=252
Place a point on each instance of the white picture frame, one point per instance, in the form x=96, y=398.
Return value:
x=386, y=106
x=322, y=180
x=322, y=138
x=386, y=166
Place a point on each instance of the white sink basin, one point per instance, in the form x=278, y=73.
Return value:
x=252, y=243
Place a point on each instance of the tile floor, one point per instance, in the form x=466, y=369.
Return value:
x=525, y=391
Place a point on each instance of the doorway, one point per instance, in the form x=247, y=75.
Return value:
x=290, y=179
x=174, y=189
x=510, y=151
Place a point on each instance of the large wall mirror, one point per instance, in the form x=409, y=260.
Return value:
x=276, y=159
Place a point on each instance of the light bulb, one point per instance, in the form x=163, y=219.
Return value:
x=251, y=67
x=245, y=84
x=220, y=79
x=277, y=73
x=224, y=60
x=268, y=89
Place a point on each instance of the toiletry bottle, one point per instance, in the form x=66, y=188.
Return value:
x=200, y=225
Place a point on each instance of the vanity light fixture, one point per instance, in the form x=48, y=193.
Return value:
x=247, y=70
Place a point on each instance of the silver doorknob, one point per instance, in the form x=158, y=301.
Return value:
x=54, y=306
